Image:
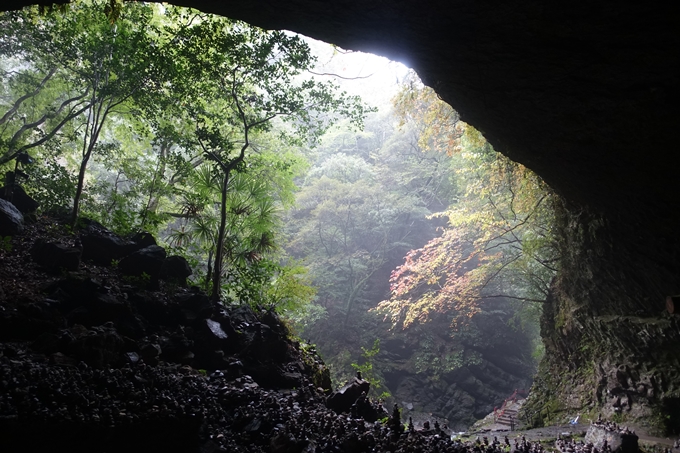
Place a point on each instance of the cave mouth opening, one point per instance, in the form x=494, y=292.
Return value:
x=456, y=367
x=466, y=357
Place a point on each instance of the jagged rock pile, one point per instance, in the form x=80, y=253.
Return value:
x=569, y=445
x=135, y=406
x=141, y=408
x=97, y=315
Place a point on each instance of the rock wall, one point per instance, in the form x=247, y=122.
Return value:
x=611, y=346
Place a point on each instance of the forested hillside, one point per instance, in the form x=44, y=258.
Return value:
x=431, y=255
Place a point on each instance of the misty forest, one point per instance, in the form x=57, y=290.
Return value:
x=221, y=238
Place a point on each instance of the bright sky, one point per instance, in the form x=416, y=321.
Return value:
x=372, y=77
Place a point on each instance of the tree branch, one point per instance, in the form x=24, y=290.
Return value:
x=19, y=101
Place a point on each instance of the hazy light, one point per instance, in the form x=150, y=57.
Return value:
x=374, y=78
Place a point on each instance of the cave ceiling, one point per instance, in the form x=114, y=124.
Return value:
x=584, y=93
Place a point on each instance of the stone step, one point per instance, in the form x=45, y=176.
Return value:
x=506, y=421
x=508, y=418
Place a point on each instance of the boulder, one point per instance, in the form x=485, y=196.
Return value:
x=618, y=440
x=342, y=400
x=212, y=341
x=216, y=330
x=88, y=303
x=364, y=408
x=148, y=260
x=102, y=246
x=75, y=291
x=21, y=200
x=177, y=348
x=56, y=256
x=243, y=316
x=150, y=353
x=154, y=309
x=11, y=220
x=262, y=342
x=99, y=346
x=176, y=269
x=194, y=305
x=143, y=239
x=211, y=335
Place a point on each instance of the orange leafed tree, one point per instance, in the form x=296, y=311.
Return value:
x=498, y=242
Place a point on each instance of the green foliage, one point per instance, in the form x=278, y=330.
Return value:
x=80, y=71
x=266, y=284
x=307, y=316
x=231, y=81
x=5, y=244
x=361, y=207
x=51, y=184
x=348, y=229
x=172, y=121
x=290, y=290
x=438, y=125
x=366, y=368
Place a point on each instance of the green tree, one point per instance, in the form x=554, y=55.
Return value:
x=38, y=96
x=103, y=65
x=240, y=80
x=348, y=231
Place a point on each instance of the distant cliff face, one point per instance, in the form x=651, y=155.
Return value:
x=459, y=378
x=585, y=94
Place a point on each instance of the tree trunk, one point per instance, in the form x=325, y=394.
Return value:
x=154, y=197
x=217, y=268
x=209, y=271
x=79, y=187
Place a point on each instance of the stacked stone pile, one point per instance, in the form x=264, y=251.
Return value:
x=172, y=407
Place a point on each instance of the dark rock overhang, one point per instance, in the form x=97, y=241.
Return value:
x=584, y=93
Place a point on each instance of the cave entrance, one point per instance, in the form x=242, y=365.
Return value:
x=430, y=252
